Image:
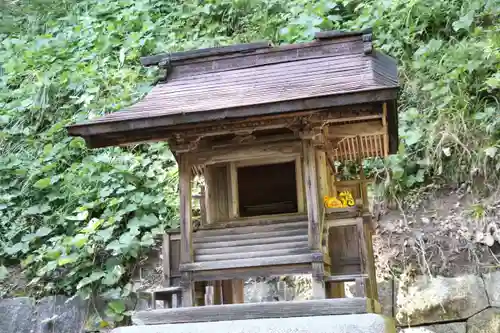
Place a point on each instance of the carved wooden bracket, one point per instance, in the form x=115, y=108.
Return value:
x=184, y=145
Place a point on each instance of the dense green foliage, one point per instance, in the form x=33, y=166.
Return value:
x=78, y=219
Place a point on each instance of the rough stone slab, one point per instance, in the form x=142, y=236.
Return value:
x=61, y=314
x=441, y=328
x=51, y=314
x=364, y=323
x=386, y=297
x=16, y=315
x=492, y=283
x=324, y=307
x=440, y=299
x=487, y=321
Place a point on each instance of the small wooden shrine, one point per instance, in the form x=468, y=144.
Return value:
x=264, y=127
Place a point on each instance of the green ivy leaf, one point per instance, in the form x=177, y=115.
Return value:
x=16, y=248
x=37, y=209
x=118, y=306
x=64, y=260
x=113, y=276
x=147, y=240
x=413, y=137
x=90, y=279
x=43, y=231
x=79, y=240
x=42, y=183
x=464, y=22
x=105, y=234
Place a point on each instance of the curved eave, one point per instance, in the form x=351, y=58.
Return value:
x=118, y=132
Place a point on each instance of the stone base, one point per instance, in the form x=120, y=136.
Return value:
x=361, y=323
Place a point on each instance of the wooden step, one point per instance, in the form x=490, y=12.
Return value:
x=230, y=312
x=300, y=229
x=345, y=277
x=256, y=254
x=297, y=223
x=252, y=248
x=247, y=242
x=252, y=262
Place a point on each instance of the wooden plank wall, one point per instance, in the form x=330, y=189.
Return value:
x=216, y=177
x=221, y=204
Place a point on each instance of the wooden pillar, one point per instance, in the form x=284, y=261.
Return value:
x=322, y=175
x=227, y=291
x=212, y=214
x=199, y=292
x=238, y=291
x=311, y=185
x=313, y=214
x=372, y=290
x=217, y=292
x=384, y=125
x=166, y=260
x=186, y=228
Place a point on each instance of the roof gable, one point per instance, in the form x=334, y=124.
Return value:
x=257, y=79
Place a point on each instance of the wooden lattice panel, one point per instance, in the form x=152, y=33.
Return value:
x=364, y=146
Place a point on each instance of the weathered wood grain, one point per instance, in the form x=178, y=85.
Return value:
x=166, y=260
x=325, y=307
x=344, y=277
x=311, y=185
x=300, y=230
x=261, y=224
x=252, y=262
x=232, y=179
x=221, y=155
x=108, y=133
x=251, y=248
x=186, y=226
x=251, y=241
x=318, y=282
x=236, y=254
x=206, y=52
x=185, y=209
x=252, y=272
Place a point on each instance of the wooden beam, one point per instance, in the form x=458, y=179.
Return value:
x=206, y=52
x=386, y=132
x=318, y=281
x=370, y=260
x=166, y=260
x=209, y=195
x=227, y=292
x=237, y=144
x=353, y=129
x=233, y=203
x=251, y=224
x=345, y=306
x=250, y=262
x=311, y=185
x=223, y=155
x=321, y=167
x=238, y=291
x=186, y=227
x=252, y=272
x=185, y=209
x=299, y=179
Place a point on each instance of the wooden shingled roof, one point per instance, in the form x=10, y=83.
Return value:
x=253, y=80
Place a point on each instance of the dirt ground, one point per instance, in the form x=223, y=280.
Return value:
x=450, y=233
